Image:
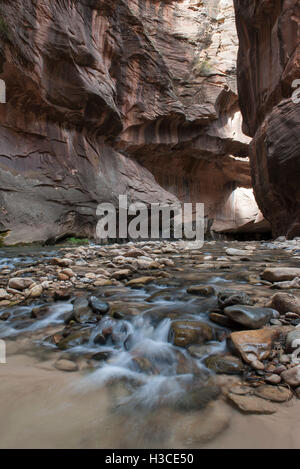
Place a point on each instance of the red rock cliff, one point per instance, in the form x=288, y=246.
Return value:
x=109, y=97
x=268, y=64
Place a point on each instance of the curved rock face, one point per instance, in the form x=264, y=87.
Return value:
x=268, y=64
x=119, y=97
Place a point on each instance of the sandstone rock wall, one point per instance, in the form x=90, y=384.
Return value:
x=268, y=64
x=106, y=97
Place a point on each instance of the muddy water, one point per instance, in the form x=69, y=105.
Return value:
x=143, y=394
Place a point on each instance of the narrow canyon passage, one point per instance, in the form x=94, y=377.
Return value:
x=155, y=341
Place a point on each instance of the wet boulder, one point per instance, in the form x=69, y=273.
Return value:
x=185, y=333
x=224, y=364
x=249, y=316
x=233, y=297
x=98, y=306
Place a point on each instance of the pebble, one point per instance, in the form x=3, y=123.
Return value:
x=66, y=365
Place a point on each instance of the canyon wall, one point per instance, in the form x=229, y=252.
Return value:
x=109, y=97
x=268, y=64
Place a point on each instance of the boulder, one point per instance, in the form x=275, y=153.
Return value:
x=254, y=344
x=249, y=316
x=185, y=333
x=280, y=274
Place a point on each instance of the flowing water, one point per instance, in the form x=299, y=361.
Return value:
x=137, y=389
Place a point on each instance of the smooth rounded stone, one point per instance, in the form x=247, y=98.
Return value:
x=249, y=316
x=81, y=312
x=292, y=376
x=166, y=294
x=4, y=295
x=280, y=274
x=236, y=252
x=98, y=306
x=273, y=393
x=284, y=358
x=233, y=297
x=241, y=390
x=254, y=343
x=62, y=262
x=292, y=340
x=275, y=322
x=251, y=404
x=286, y=302
x=100, y=356
x=140, y=281
x=185, y=333
x=74, y=339
x=224, y=364
x=102, y=282
x=66, y=365
x=36, y=291
x=257, y=365
x=200, y=351
x=201, y=290
x=18, y=283
x=99, y=339
x=221, y=319
x=122, y=274
x=4, y=316
x=273, y=379
x=62, y=294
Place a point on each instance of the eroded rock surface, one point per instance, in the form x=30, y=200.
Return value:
x=107, y=98
x=268, y=64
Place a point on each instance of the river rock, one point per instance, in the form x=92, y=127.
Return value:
x=236, y=252
x=140, y=281
x=285, y=302
x=226, y=364
x=273, y=379
x=251, y=404
x=222, y=320
x=200, y=351
x=98, y=306
x=280, y=274
x=233, y=297
x=249, y=316
x=19, y=283
x=66, y=365
x=121, y=274
x=292, y=376
x=62, y=262
x=74, y=339
x=36, y=291
x=185, y=333
x=273, y=393
x=201, y=290
x=81, y=312
x=4, y=295
x=254, y=343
